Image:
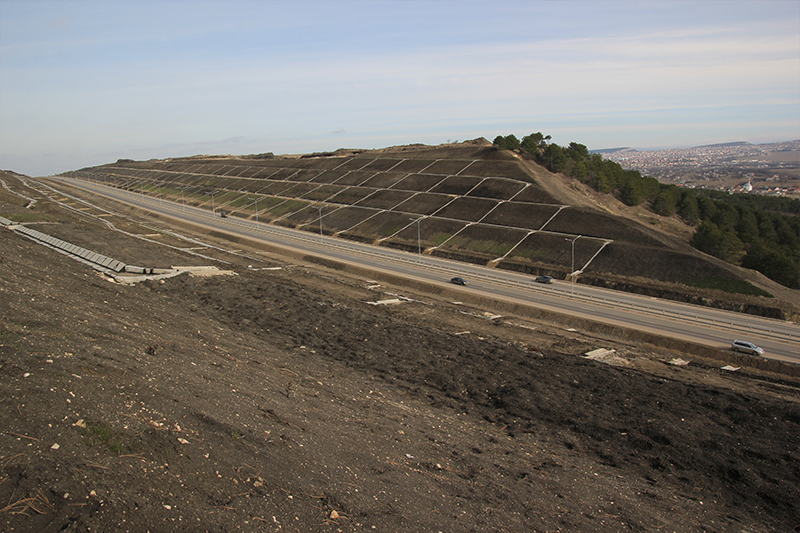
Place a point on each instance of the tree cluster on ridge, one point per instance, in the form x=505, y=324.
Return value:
x=756, y=232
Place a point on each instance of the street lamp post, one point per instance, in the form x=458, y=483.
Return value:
x=320, y=223
x=419, y=240
x=213, y=210
x=256, y=199
x=572, y=272
x=183, y=200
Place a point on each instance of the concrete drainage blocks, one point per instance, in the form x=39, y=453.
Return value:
x=98, y=261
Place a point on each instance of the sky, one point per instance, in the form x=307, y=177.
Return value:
x=84, y=83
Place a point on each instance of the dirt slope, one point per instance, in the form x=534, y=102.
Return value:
x=281, y=399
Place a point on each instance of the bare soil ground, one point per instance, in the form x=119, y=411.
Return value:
x=282, y=399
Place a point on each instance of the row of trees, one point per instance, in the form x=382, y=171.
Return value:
x=757, y=232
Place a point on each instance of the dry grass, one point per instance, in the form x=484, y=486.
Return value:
x=38, y=503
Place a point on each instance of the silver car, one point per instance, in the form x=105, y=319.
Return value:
x=746, y=347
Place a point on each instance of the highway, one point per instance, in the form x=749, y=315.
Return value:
x=712, y=327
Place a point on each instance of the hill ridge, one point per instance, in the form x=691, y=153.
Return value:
x=473, y=203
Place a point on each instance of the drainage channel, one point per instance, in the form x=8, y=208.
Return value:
x=97, y=261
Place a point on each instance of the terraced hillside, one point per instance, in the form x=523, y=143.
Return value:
x=468, y=202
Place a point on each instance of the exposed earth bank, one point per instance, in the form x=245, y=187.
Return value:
x=285, y=397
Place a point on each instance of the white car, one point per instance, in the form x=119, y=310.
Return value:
x=746, y=347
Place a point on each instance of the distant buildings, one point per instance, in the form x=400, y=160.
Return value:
x=768, y=168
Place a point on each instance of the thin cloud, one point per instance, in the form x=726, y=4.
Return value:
x=146, y=78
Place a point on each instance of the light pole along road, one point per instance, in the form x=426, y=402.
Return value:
x=711, y=327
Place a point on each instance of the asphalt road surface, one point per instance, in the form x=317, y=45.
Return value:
x=712, y=327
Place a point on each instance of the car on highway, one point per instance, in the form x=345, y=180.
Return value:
x=746, y=347
x=544, y=279
x=458, y=281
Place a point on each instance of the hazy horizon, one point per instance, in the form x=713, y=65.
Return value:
x=84, y=83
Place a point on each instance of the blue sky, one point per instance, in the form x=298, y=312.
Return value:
x=86, y=83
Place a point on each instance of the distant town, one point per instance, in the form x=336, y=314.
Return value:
x=772, y=169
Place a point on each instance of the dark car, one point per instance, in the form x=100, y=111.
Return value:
x=544, y=279
x=458, y=281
